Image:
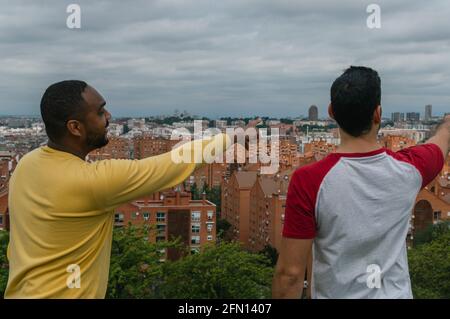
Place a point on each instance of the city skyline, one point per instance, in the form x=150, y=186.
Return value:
x=321, y=115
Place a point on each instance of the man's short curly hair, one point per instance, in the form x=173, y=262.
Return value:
x=60, y=103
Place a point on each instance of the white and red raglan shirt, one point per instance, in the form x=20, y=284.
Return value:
x=357, y=209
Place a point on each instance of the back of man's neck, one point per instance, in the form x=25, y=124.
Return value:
x=358, y=145
x=66, y=149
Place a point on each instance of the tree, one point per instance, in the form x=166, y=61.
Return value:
x=222, y=227
x=271, y=253
x=136, y=266
x=213, y=194
x=126, y=129
x=195, y=191
x=222, y=271
x=430, y=233
x=4, y=269
x=429, y=266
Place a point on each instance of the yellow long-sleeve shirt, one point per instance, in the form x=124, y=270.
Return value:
x=61, y=214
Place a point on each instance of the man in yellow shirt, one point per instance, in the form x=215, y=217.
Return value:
x=62, y=207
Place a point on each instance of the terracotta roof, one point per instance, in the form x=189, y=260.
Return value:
x=268, y=186
x=246, y=179
x=446, y=198
x=444, y=182
x=277, y=183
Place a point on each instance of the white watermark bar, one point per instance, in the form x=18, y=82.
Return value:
x=261, y=147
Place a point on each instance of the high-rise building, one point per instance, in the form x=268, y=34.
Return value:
x=397, y=117
x=313, y=113
x=236, y=203
x=267, y=203
x=428, y=112
x=413, y=117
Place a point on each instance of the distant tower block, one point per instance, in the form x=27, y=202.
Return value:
x=428, y=112
x=313, y=113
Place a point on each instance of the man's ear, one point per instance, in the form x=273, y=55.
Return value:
x=377, y=115
x=330, y=111
x=75, y=127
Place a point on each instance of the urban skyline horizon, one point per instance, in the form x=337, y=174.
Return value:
x=213, y=117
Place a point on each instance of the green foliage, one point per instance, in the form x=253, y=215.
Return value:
x=286, y=121
x=126, y=129
x=429, y=266
x=222, y=227
x=4, y=269
x=214, y=195
x=222, y=271
x=316, y=128
x=169, y=120
x=195, y=191
x=136, y=267
x=430, y=233
x=271, y=253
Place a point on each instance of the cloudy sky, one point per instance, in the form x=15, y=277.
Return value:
x=223, y=57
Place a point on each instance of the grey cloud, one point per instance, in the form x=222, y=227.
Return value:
x=219, y=58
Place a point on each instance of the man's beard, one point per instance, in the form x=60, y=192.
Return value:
x=97, y=141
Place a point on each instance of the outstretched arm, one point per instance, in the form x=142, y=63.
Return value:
x=442, y=136
x=118, y=181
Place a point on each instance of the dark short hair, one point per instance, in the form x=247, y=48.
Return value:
x=354, y=97
x=61, y=102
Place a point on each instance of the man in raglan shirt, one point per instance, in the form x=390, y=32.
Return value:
x=62, y=207
x=351, y=210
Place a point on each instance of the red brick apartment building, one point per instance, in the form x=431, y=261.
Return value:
x=320, y=149
x=4, y=217
x=210, y=174
x=173, y=214
x=118, y=147
x=147, y=146
x=267, y=204
x=8, y=162
x=396, y=142
x=236, y=203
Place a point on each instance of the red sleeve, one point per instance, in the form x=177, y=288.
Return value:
x=426, y=158
x=299, y=221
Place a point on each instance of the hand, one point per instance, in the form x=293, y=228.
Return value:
x=253, y=123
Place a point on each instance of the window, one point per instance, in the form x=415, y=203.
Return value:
x=195, y=240
x=160, y=238
x=210, y=237
x=437, y=215
x=195, y=229
x=210, y=215
x=1, y=219
x=209, y=227
x=118, y=218
x=160, y=216
x=196, y=216
x=134, y=215
x=161, y=230
x=146, y=215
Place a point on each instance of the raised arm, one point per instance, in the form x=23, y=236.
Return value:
x=118, y=181
x=442, y=136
